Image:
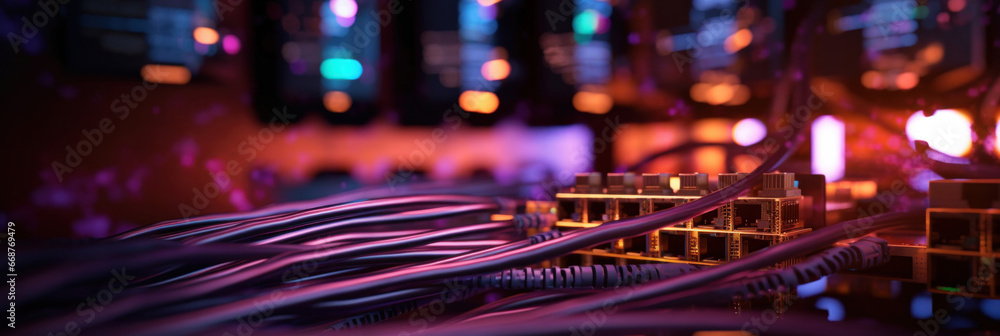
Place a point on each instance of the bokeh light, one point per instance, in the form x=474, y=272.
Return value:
x=833, y=307
x=344, y=8
x=337, y=101
x=946, y=131
x=749, y=131
x=291, y=51
x=165, y=74
x=231, y=44
x=996, y=137
x=592, y=102
x=873, y=80
x=719, y=94
x=812, y=288
x=907, y=80
x=586, y=22
x=991, y=308
x=205, y=35
x=921, y=307
x=341, y=68
x=933, y=53
x=712, y=130
x=741, y=95
x=478, y=101
x=495, y=69
x=739, y=40
x=956, y=5
x=828, y=147
x=344, y=21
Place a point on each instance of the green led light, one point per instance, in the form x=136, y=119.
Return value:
x=341, y=68
x=948, y=289
x=586, y=22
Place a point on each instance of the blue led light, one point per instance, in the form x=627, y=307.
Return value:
x=835, y=309
x=813, y=288
x=991, y=308
x=920, y=306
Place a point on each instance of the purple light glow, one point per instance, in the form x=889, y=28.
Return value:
x=749, y=131
x=828, y=148
x=231, y=44
x=239, y=200
x=298, y=67
x=344, y=8
x=201, y=48
x=488, y=12
x=345, y=21
x=92, y=227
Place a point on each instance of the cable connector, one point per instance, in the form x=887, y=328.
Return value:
x=874, y=252
x=544, y=236
x=596, y=276
x=534, y=221
x=862, y=253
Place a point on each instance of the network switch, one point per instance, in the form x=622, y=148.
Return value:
x=765, y=217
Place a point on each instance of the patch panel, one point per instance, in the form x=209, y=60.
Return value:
x=963, y=232
x=767, y=216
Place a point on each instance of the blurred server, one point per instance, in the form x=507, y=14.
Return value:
x=716, y=53
x=903, y=46
x=574, y=60
x=320, y=56
x=128, y=37
x=457, y=66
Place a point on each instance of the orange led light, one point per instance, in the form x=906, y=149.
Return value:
x=495, y=69
x=500, y=217
x=337, y=101
x=478, y=101
x=165, y=74
x=713, y=130
x=907, y=80
x=873, y=80
x=719, y=94
x=205, y=35
x=592, y=102
x=739, y=40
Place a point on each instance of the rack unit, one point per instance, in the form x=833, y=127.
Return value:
x=767, y=216
x=963, y=237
